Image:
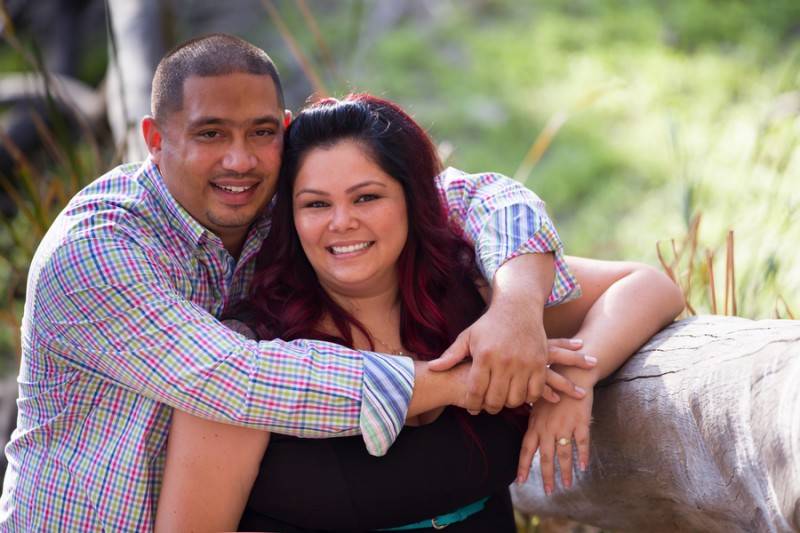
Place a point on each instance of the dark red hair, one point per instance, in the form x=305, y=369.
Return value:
x=436, y=268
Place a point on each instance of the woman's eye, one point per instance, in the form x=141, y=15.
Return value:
x=316, y=204
x=367, y=198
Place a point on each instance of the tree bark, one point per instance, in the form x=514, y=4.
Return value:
x=699, y=431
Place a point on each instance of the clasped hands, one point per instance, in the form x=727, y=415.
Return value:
x=510, y=366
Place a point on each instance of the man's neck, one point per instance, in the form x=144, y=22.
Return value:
x=234, y=245
x=234, y=240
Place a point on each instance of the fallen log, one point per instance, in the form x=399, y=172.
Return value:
x=699, y=431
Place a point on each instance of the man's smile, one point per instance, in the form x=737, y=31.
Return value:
x=234, y=188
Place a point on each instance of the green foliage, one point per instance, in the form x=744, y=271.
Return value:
x=695, y=115
x=40, y=187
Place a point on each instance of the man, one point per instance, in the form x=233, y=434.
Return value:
x=119, y=322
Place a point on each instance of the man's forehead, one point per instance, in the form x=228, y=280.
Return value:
x=237, y=89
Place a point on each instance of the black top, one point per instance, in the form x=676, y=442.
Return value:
x=309, y=485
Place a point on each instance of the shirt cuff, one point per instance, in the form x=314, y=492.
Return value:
x=388, y=385
x=519, y=229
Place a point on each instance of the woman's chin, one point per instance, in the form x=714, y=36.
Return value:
x=359, y=285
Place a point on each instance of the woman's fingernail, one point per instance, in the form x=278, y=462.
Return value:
x=583, y=466
x=579, y=390
x=592, y=360
x=547, y=489
x=567, y=483
x=576, y=342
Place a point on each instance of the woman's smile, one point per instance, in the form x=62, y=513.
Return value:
x=349, y=250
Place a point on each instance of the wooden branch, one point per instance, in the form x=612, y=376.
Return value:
x=73, y=94
x=700, y=431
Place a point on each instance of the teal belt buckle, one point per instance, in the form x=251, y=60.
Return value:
x=442, y=521
x=437, y=525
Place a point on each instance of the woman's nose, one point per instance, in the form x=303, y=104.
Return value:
x=342, y=219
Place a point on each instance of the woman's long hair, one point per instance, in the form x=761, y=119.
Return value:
x=436, y=268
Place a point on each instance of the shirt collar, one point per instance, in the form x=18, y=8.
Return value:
x=175, y=215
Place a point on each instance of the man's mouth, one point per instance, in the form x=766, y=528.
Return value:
x=350, y=248
x=236, y=189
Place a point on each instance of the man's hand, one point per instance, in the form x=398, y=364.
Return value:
x=508, y=344
x=509, y=353
x=559, y=351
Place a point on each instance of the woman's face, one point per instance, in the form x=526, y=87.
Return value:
x=351, y=219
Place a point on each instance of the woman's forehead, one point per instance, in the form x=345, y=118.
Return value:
x=340, y=167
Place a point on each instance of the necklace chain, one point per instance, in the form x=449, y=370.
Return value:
x=391, y=350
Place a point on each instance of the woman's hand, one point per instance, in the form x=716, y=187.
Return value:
x=552, y=429
x=565, y=352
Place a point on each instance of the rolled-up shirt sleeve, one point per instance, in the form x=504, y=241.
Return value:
x=112, y=309
x=388, y=384
x=504, y=219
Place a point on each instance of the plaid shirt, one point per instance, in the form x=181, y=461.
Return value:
x=120, y=327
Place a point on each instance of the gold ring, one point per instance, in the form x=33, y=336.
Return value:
x=563, y=441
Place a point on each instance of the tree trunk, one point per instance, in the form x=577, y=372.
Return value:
x=699, y=431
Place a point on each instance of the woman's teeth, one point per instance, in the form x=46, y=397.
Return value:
x=349, y=248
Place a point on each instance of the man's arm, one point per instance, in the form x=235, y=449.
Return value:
x=108, y=307
x=437, y=389
x=519, y=250
x=503, y=220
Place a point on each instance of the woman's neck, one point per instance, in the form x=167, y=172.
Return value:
x=378, y=312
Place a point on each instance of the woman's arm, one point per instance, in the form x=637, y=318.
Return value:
x=622, y=306
x=208, y=475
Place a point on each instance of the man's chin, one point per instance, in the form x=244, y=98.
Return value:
x=231, y=222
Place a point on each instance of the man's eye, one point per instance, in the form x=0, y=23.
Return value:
x=211, y=134
x=367, y=198
x=264, y=133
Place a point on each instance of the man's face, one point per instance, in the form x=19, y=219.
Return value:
x=220, y=154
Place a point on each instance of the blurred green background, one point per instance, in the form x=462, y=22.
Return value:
x=630, y=118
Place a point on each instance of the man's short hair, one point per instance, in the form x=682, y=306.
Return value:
x=216, y=54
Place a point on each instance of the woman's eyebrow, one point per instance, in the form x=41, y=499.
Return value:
x=364, y=184
x=348, y=190
x=310, y=191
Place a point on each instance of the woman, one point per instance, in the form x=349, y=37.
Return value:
x=361, y=254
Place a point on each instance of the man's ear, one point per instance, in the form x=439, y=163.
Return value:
x=287, y=118
x=152, y=137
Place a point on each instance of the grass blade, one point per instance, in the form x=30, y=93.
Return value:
x=294, y=48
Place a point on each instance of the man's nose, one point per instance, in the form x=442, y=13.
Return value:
x=239, y=157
